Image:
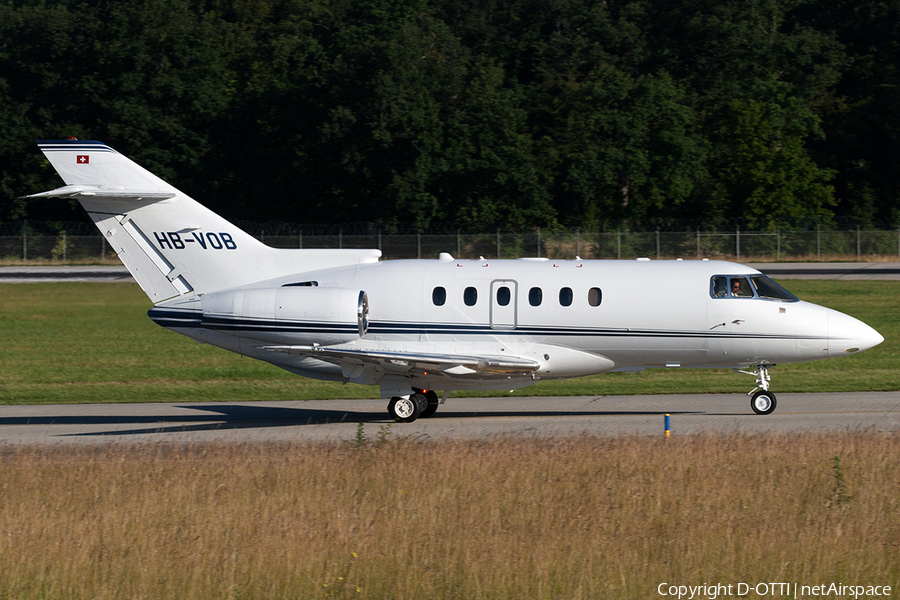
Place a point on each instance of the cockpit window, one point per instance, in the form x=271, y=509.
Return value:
x=720, y=287
x=768, y=289
x=739, y=286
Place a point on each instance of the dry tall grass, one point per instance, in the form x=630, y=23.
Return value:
x=573, y=518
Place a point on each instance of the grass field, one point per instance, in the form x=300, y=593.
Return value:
x=92, y=342
x=403, y=518
x=578, y=518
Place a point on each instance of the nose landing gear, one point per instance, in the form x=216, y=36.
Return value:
x=763, y=401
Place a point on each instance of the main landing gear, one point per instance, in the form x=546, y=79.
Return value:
x=406, y=409
x=763, y=401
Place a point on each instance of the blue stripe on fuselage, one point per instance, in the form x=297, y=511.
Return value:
x=176, y=318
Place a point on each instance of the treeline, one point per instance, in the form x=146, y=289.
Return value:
x=511, y=113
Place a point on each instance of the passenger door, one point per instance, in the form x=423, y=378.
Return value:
x=503, y=304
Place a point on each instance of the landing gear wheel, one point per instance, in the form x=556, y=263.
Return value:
x=403, y=410
x=432, y=404
x=763, y=402
x=421, y=400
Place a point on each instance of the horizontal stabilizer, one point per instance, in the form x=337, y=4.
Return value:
x=71, y=191
x=94, y=164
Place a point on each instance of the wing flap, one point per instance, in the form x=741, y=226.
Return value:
x=405, y=362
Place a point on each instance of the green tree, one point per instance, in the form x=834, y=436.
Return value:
x=148, y=77
x=765, y=175
x=628, y=148
x=520, y=113
x=862, y=123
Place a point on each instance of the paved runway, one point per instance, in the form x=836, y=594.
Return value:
x=55, y=274
x=459, y=418
x=846, y=271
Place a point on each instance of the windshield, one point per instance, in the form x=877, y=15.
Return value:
x=768, y=289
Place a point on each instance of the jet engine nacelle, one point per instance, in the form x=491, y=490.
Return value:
x=289, y=314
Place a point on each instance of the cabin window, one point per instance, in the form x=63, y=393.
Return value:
x=439, y=296
x=535, y=296
x=565, y=297
x=595, y=296
x=470, y=296
x=503, y=296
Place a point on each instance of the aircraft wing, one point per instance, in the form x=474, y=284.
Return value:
x=408, y=362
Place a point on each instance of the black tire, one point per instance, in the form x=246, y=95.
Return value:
x=420, y=399
x=403, y=410
x=432, y=405
x=763, y=403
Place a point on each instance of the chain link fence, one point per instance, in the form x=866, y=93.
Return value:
x=33, y=242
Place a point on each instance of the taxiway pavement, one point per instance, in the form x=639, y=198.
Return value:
x=56, y=274
x=459, y=418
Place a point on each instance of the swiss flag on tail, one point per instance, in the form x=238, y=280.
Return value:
x=83, y=159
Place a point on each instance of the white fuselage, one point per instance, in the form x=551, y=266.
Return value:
x=592, y=316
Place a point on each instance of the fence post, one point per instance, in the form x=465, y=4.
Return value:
x=657, y=244
x=418, y=244
x=25, y=239
x=340, y=238
x=619, y=243
x=458, y=244
x=778, y=244
x=300, y=239
x=498, y=243
x=64, y=245
x=578, y=241
x=818, y=244
x=737, y=241
x=539, y=242
x=858, y=245
x=698, y=243
x=102, y=246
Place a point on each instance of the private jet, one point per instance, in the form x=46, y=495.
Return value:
x=415, y=326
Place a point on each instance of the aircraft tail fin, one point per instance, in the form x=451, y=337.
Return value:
x=170, y=243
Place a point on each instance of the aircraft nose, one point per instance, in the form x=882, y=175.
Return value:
x=847, y=335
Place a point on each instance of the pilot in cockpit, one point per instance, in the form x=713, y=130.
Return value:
x=737, y=291
x=720, y=288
